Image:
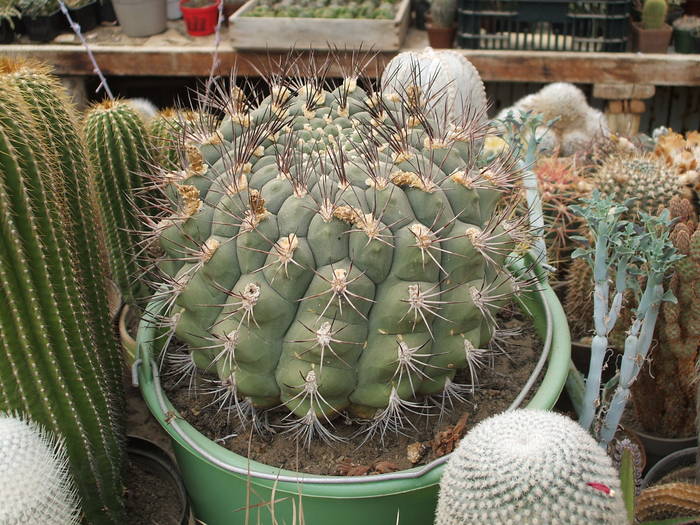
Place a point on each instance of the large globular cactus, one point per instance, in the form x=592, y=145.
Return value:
x=36, y=487
x=337, y=251
x=121, y=152
x=529, y=467
x=54, y=366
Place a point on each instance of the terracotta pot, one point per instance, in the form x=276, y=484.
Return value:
x=650, y=40
x=441, y=37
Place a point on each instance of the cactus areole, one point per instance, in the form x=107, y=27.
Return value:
x=331, y=250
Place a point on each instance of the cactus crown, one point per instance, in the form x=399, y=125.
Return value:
x=332, y=249
x=654, y=14
x=529, y=466
x=36, y=484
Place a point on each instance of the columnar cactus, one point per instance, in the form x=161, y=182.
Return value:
x=455, y=83
x=164, y=130
x=53, y=365
x=337, y=251
x=443, y=12
x=57, y=121
x=36, y=483
x=654, y=14
x=121, y=153
x=529, y=467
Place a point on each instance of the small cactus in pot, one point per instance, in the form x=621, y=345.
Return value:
x=529, y=467
x=336, y=251
x=442, y=28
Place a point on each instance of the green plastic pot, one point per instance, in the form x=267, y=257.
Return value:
x=222, y=485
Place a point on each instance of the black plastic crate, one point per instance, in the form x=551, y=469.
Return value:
x=554, y=25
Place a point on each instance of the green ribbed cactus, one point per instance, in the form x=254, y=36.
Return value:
x=642, y=176
x=54, y=366
x=121, y=153
x=36, y=484
x=654, y=14
x=337, y=251
x=57, y=121
x=529, y=467
x=164, y=131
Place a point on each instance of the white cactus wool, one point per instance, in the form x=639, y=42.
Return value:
x=529, y=467
x=35, y=486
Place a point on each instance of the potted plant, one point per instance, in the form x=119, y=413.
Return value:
x=684, y=29
x=141, y=18
x=84, y=12
x=652, y=34
x=201, y=16
x=42, y=19
x=442, y=27
x=312, y=335
x=9, y=16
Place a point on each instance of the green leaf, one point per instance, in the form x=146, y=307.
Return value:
x=627, y=482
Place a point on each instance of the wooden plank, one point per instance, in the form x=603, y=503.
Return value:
x=280, y=33
x=494, y=65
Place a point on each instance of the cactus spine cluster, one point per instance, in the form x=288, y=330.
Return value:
x=654, y=14
x=641, y=176
x=336, y=251
x=164, y=131
x=121, y=153
x=56, y=365
x=529, y=467
x=36, y=483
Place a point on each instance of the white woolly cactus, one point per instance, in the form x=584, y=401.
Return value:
x=578, y=124
x=35, y=485
x=529, y=467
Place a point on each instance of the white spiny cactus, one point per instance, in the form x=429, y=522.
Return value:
x=35, y=485
x=529, y=467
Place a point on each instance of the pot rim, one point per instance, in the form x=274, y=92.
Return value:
x=153, y=452
x=146, y=376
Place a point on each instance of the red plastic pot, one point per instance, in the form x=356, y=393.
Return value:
x=200, y=21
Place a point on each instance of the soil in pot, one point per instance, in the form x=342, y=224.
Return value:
x=150, y=498
x=498, y=387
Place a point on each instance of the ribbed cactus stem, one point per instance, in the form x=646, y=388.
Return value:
x=121, y=153
x=338, y=251
x=529, y=467
x=654, y=14
x=57, y=121
x=53, y=367
x=37, y=487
